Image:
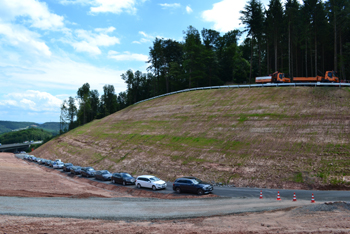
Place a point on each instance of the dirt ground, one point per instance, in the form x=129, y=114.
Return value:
x=20, y=178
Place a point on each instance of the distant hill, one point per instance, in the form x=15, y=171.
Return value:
x=292, y=137
x=8, y=126
x=20, y=136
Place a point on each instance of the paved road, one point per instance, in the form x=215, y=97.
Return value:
x=136, y=208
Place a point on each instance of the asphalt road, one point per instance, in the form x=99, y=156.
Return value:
x=137, y=208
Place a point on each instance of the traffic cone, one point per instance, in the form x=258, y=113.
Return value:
x=312, y=198
x=294, y=197
x=278, y=196
x=261, y=197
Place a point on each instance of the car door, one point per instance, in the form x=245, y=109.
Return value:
x=118, y=178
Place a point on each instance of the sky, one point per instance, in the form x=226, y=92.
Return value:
x=50, y=48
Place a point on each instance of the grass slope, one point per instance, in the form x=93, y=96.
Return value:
x=293, y=137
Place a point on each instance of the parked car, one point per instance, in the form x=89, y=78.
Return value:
x=149, y=181
x=67, y=166
x=58, y=165
x=103, y=175
x=32, y=158
x=43, y=161
x=47, y=163
x=88, y=172
x=75, y=170
x=51, y=163
x=192, y=185
x=123, y=178
x=26, y=156
x=38, y=160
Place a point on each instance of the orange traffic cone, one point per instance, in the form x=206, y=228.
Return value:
x=278, y=196
x=294, y=197
x=261, y=197
x=312, y=198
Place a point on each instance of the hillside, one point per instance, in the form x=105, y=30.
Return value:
x=8, y=126
x=293, y=137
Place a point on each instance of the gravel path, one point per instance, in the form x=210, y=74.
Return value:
x=136, y=208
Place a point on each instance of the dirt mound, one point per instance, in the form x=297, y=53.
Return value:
x=293, y=137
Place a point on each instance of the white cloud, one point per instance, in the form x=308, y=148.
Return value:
x=37, y=12
x=146, y=38
x=32, y=100
x=127, y=56
x=87, y=41
x=167, y=5
x=104, y=6
x=189, y=10
x=225, y=15
x=19, y=36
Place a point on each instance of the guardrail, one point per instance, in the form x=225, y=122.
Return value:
x=252, y=86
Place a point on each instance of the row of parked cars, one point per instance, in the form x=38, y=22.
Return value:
x=183, y=184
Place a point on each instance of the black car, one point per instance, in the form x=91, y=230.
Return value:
x=47, y=163
x=123, y=178
x=192, y=185
x=88, y=172
x=75, y=170
x=103, y=175
x=67, y=166
x=43, y=161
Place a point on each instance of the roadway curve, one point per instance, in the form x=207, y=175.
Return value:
x=136, y=208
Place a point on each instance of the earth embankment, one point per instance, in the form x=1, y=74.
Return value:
x=293, y=137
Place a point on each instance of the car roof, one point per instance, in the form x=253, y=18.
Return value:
x=187, y=177
x=146, y=176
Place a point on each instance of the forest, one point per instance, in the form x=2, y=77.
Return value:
x=29, y=134
x=305, y=39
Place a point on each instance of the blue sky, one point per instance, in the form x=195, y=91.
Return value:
x=50, y=48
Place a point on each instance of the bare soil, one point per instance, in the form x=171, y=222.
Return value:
x=20, y=178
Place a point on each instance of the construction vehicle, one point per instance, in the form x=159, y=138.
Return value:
x=330, y=76
x=276, y=77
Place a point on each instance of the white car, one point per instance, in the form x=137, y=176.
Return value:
x=58, y=165
x=149, y=181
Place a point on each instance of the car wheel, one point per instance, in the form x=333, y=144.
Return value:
x=124, y=183
x=178, y=190
x=138, y=185
x=154, y=188
x=200, y=192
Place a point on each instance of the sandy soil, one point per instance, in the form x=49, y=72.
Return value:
x=20, y=178
x=284, y=221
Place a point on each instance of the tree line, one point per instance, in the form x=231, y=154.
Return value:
x=305, y=39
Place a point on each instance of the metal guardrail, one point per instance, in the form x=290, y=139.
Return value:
x=252, y=86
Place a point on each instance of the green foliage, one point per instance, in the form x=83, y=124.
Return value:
x=8, y=126
x=25, y=135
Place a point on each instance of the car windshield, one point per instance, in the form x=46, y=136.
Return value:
x=60, y=163
x=154, y=179
x=90, y=169
x=105, y=172
x=126, y=175
x=196, y=181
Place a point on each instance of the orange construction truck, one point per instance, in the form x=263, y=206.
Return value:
x=330, y=76
x=276, y=77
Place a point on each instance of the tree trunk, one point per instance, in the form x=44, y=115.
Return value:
x=306, y=57
x=343, y=76
x=289, y=60
x=276, y=55
x=259, y=59
x=268, y=57
x=315, y=55
x=335, y=42
x=251, y=60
